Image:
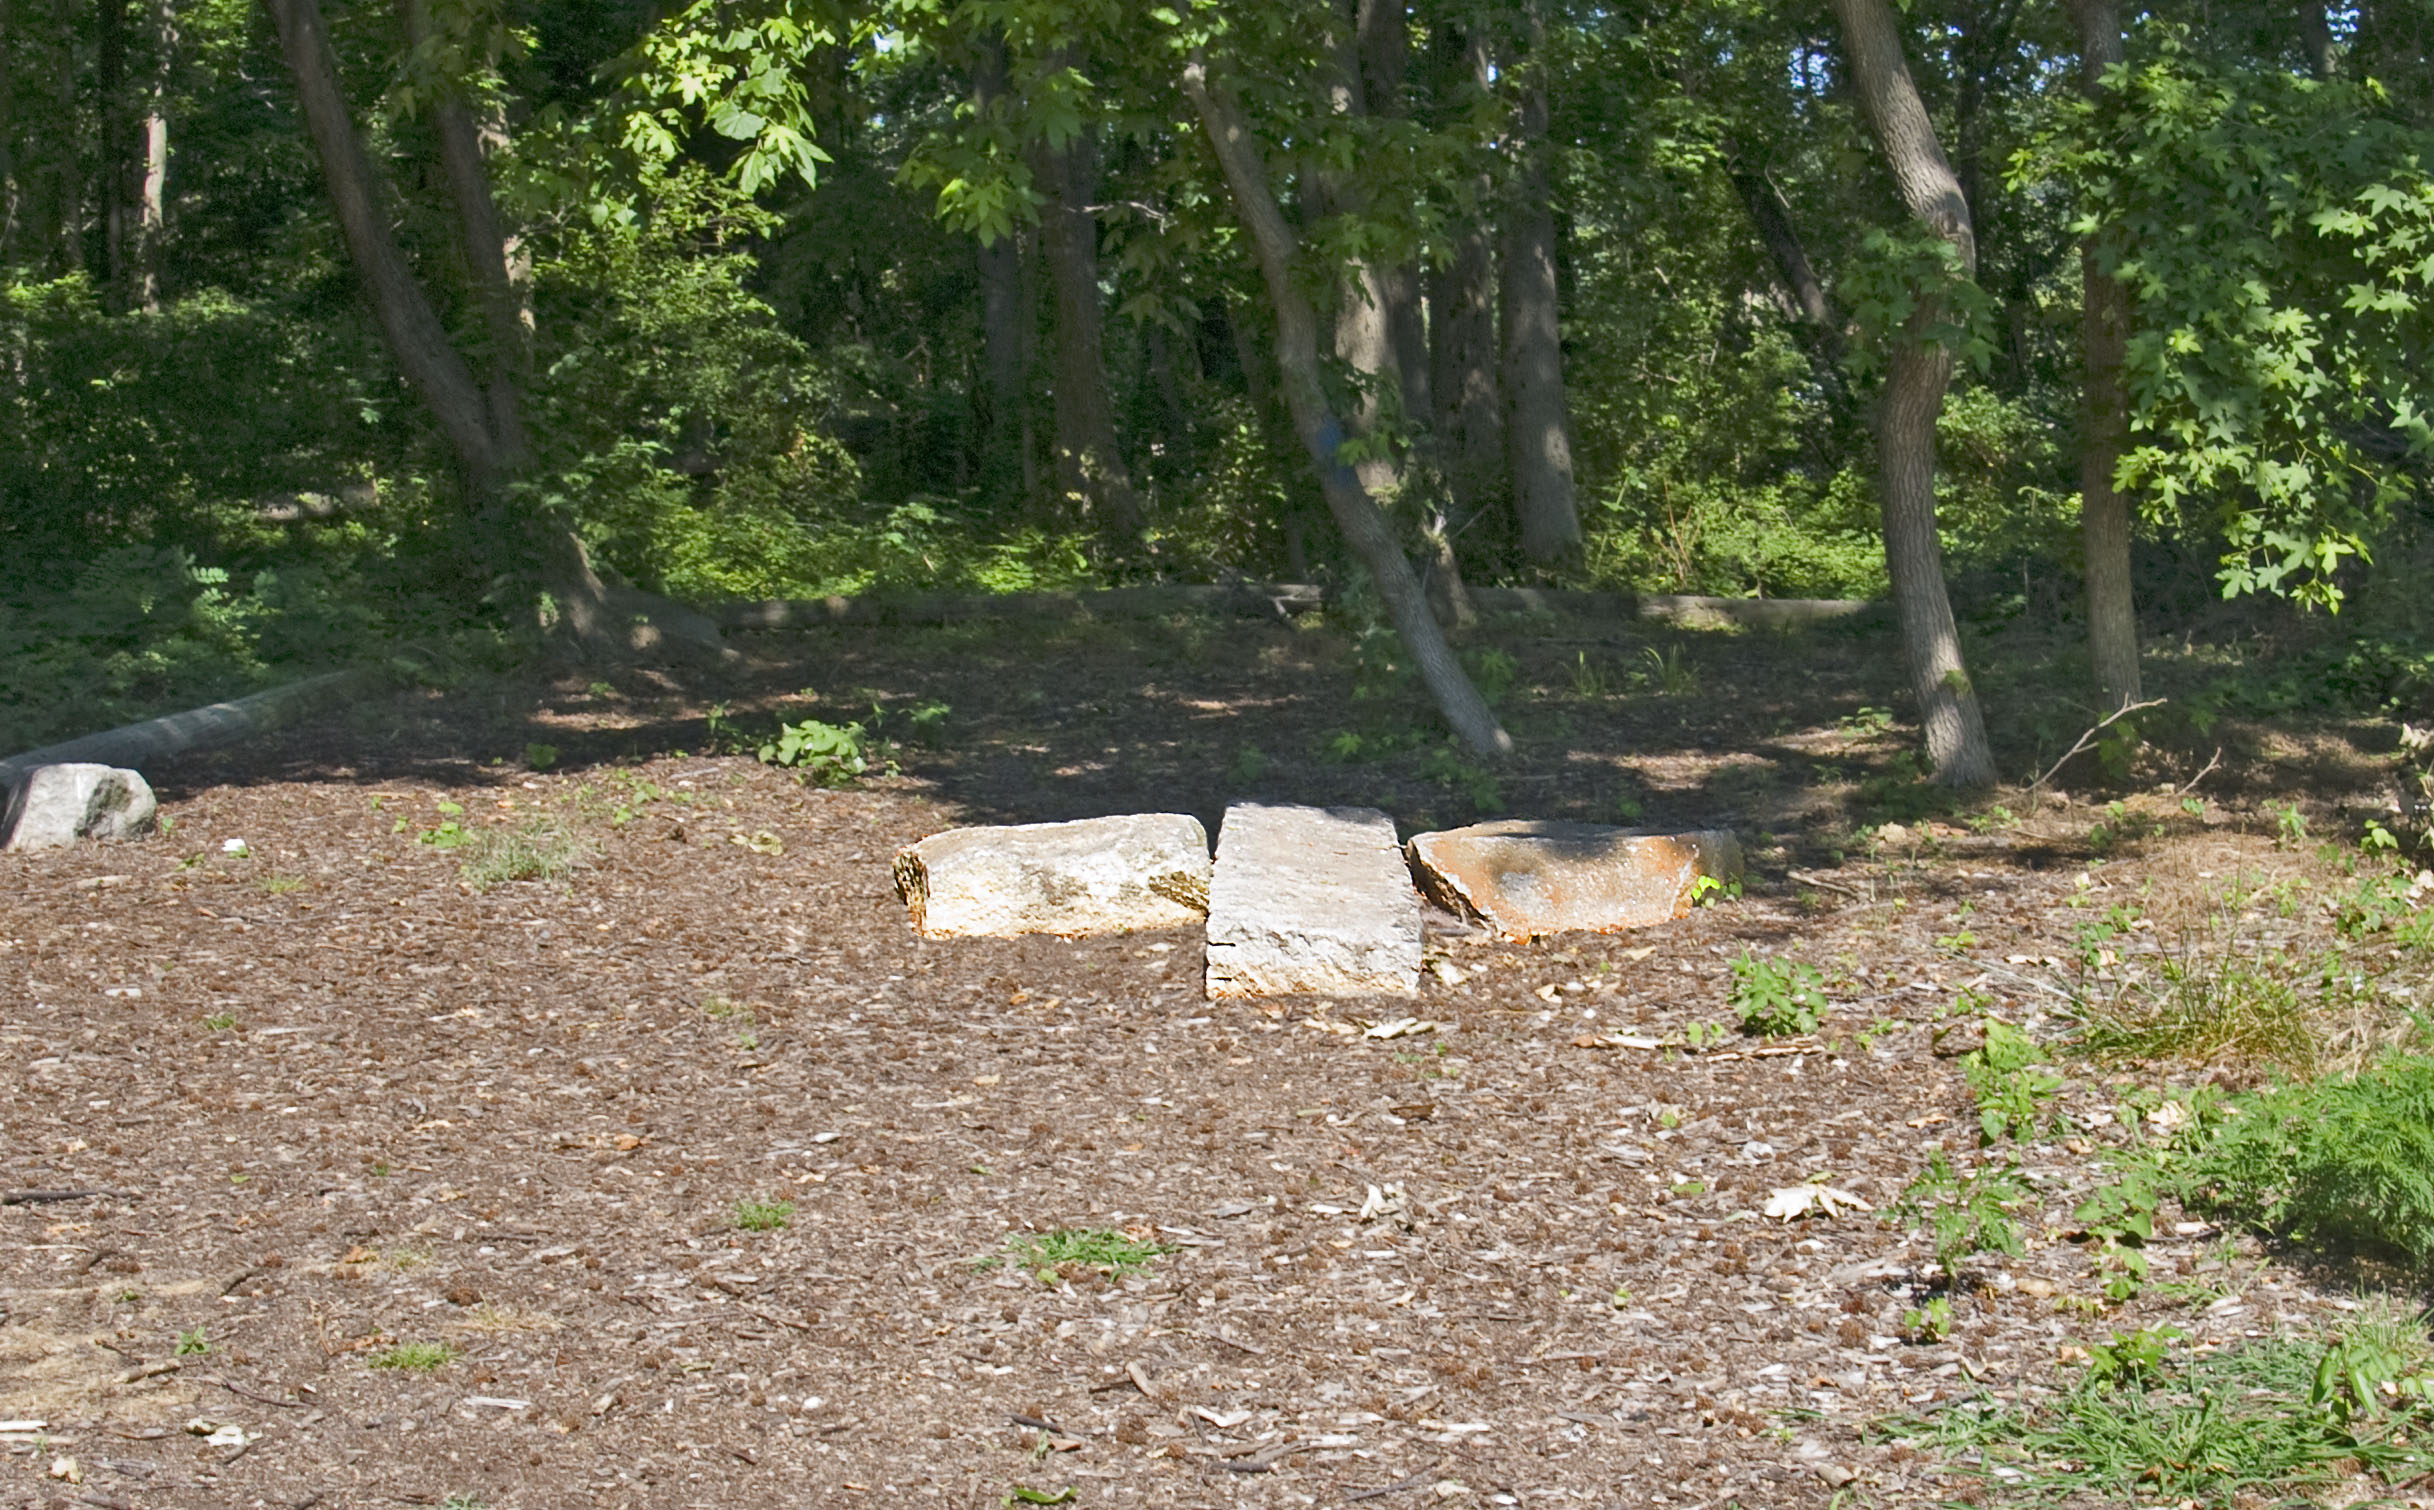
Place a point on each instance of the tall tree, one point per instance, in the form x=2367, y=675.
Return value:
x=1091, y=474
x=11, y=196
x=1364, y=525
x=1917, y=374
x=2104, y=513
x=67, y=204
x=1538, y=430
x=1469, y=418
x=152, y=182
x=483, y=428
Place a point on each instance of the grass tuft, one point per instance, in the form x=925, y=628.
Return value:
x=543, y=850
x=763, y=1216
x=415, y=1357
x=1055, y=1254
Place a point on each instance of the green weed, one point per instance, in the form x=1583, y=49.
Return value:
x=2249, y=1425
x=1451, y=769
x=220, y=1022
x=1777, y=998
x=1963, y=1214
x=830, y=754
x=2014, y=1096
x=415, y=1357
x=193, y=1344
x=763, y=1216
x=1668, y=673
x=541, y=850
x=1049, y=1256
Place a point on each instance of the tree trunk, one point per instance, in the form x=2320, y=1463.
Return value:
x=597, y=617
x=1537, y=434
x=409, y=326
x=2316, y=34
x=68, y=194
x=115, y=177
x=501, y=275
x=12, y=198
x=1469, y=403
x=1363, y=524
x=1091, y=475
x=1914, y=395
x=1819, y=322
x=151, y=216
x=2104, y=514
x=1382, y=31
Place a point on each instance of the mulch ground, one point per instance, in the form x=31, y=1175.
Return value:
x=337, y=1101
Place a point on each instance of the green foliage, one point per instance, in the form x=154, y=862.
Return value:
x=831, y=754
x=1963, y=1214
x=193, y=1344
x=2256, y=1423
x=414, y=1357
x=1930, y=1322
x=541, y=850
x=763, y=1216
x=1777, y=998
x=2344, y=1161
x=1051, y=1255
x=2271, y=230
x=2014, y=1096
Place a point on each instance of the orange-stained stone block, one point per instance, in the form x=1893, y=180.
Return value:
x=1527, y=877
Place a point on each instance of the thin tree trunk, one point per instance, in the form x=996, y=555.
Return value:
x=597, y=617
x=1538, y=433
x=1091, y=474
x=1914, y=395
x=410, y=327
x=1469, y=402
x=1174, y=419
x=152, y=218
x=68, y=196
x=12, y=198
x=2104, y=513
x=1363, y=524
x=2316, y=33
x=115, y=177
x=999, y=264
x=1382, y=32
x=491, y=253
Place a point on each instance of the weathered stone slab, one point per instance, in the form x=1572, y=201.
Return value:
x=1096, y=875
x=1528, y=877
x=1311, y=901
x=52, y=806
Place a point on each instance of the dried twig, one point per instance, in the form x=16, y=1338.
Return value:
x=2085, y=739
x=41, y=1197
x=255, y=1395
x=2216, y=760
x=1416, y=1481
x=1809, y=878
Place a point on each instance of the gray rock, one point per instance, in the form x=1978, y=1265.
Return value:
x=1097, y=875
x=55, y=805
x=1528, y=878
x=1314, y=901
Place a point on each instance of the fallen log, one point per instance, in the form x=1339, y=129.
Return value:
x=135, y=745
x=1259, y=600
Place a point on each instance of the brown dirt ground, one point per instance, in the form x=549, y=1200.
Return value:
x=341, y=1100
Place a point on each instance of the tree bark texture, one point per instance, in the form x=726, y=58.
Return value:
x=1913, y=397
x=1090, y=469
x=501, y=276
x=1364, y=525
x=152, y=190
x=2104, y=514
x=410, y=327
x=1382, y=31
x=1538, y=432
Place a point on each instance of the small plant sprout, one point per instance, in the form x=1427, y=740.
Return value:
x=415, y=1357
x=194, y=1343
x=1060, y=1252
x=763, y=1216
x=1963, y=1214
x=1777, y=998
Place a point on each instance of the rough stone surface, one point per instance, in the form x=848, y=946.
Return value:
x=1311, y=901
x=1097, y=875
x=1526, y=878
x=56, y=805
